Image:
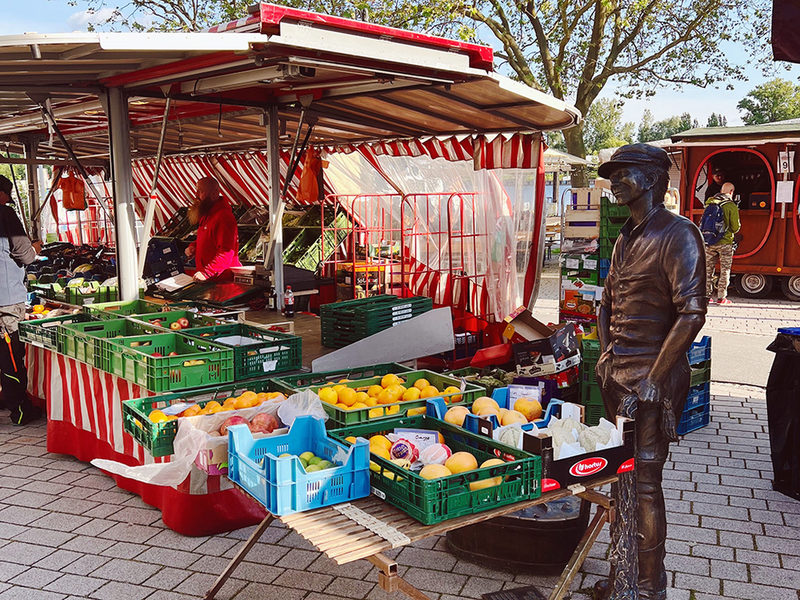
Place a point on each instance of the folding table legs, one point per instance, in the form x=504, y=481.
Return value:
x=390, y=581
x=251, y=541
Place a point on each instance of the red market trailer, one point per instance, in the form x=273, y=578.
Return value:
x=762, y=163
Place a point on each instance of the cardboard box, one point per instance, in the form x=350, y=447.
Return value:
x=559, y=474
x=539, y=349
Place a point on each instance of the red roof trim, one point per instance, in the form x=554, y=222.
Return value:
x=480, y=57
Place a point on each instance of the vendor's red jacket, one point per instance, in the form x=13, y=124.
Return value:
x=217, y=245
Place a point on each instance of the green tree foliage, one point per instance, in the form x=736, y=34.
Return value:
x=568, y=48
x=650, y=130
x=604, y=128
x=717, y=120
x=772, y=101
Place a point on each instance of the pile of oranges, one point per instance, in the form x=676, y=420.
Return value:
x=383, y=399
x=246, y=400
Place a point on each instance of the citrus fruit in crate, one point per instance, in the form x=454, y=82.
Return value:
x=430, y=392
x=374, y=390
x=452, y=393
x=381, y=441
x=328, y=395
x=461, y=462
x=434, y=471
x=157, y=416
x=390, y=379
x=411, y=394
x=421, y=384
x=482, y=484
x=456, y=415
x=347, y=396
x=385, y=397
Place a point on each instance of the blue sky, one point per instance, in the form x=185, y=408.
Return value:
x=53, y=16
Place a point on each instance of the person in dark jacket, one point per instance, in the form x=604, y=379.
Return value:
x=16, y=251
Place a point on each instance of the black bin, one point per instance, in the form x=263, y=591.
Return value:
x=783, y=411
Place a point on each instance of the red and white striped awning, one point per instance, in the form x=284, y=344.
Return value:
x=244, y=175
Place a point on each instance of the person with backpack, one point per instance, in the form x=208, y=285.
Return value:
x=719, y=223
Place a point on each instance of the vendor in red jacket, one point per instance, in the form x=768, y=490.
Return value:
x=217, y=247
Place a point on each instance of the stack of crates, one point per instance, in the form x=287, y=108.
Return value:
x=697, y=410
x=581, y=277
x=612, y=218
x=346, y=322
x=590, y=390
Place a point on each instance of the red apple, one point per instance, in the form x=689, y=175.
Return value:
x=157, y=323
x=264, y=423
x=173, y=353
x=176, y=326
x=184, y=322
x=234, y=420
x=156, y=355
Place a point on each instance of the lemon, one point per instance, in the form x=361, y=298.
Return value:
x=416, y=411
x=385, y=397
x=421, y=384
x=374, y=390
x=381, y=441
x=396, y=392
x=339, y=388
x=347, y=396
x=371, y=401
x=363, y=398
x=358, y=405
x=393, y=409
x=157, y=416
x=411, y=393
x=328, y=395
x=376, y=412
x=351, y=439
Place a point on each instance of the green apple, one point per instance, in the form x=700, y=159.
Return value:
x=303, y=462
x=313, y=468
x=307, y=456
x=314, y=460
x=326, y=464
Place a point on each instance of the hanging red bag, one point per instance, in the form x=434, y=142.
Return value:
x=73, y=192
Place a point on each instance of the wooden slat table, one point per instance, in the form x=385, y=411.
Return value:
x=344, y=540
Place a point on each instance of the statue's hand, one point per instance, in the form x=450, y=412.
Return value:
x=627, y=407
x=648, y=392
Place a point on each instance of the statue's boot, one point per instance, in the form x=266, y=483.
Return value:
x=652, y=577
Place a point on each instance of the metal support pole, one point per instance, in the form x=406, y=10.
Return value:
x=124, y=222
x=274, y=183
x=32, y=173
x=151, y=201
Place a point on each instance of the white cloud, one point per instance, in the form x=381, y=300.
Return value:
x=82, y=19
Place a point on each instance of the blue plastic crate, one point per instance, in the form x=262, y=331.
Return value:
x=436, y=407
x=603, y=265
x=700, y=351
x=699, y=395
x=789, y=330
x=282, y=485
x=694, y=419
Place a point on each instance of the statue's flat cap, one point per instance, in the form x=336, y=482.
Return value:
x=635, y=155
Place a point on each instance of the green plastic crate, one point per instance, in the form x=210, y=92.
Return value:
x=84, y=341
x=158, y=438
x=590, y=349
x=586, y=276
x=289, y=384
x=44, y=332
x=700, y=373
x=340, y=417
x=114, y=310
x=104, y=293
x=610, y=230
x=343, y=323
x=613, y=211
x=605, y=247
x=130, y=358
x=436, y=500
x=271, y=352
x=169, y=317
x=592, y=400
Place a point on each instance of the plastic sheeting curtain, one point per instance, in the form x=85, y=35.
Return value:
x=468, y=234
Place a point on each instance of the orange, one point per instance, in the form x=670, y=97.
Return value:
x=376, y=412
x=421, y=384
x=339, y=388
x=416, y=411
x=347, y=396
x=215, y=409
x=358, y=405
x=385, y=397
x=396, y=391
x=364, y=398
x=411, y=393
x=229, y=401
x=191, y=411
x=393, y=409
x=374, y=390
x=350, y=439
x=456, y=393
x=429, y=392
x=369, y=401
x=390, y=379
x=212, y=404
x=157, y=416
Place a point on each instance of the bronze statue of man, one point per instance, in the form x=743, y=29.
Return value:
x=654, y=305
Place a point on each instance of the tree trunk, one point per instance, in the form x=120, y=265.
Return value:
x=575, y=146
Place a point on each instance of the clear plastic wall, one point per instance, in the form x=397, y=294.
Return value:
x=467, y=234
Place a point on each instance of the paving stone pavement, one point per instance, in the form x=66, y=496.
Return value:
x=67, y=532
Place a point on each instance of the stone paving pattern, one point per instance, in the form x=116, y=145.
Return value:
x=66, y=531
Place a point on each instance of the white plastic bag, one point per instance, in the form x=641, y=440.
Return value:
x=301, y=403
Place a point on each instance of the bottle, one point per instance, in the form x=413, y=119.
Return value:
x=288, y=302
x=271, y=299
